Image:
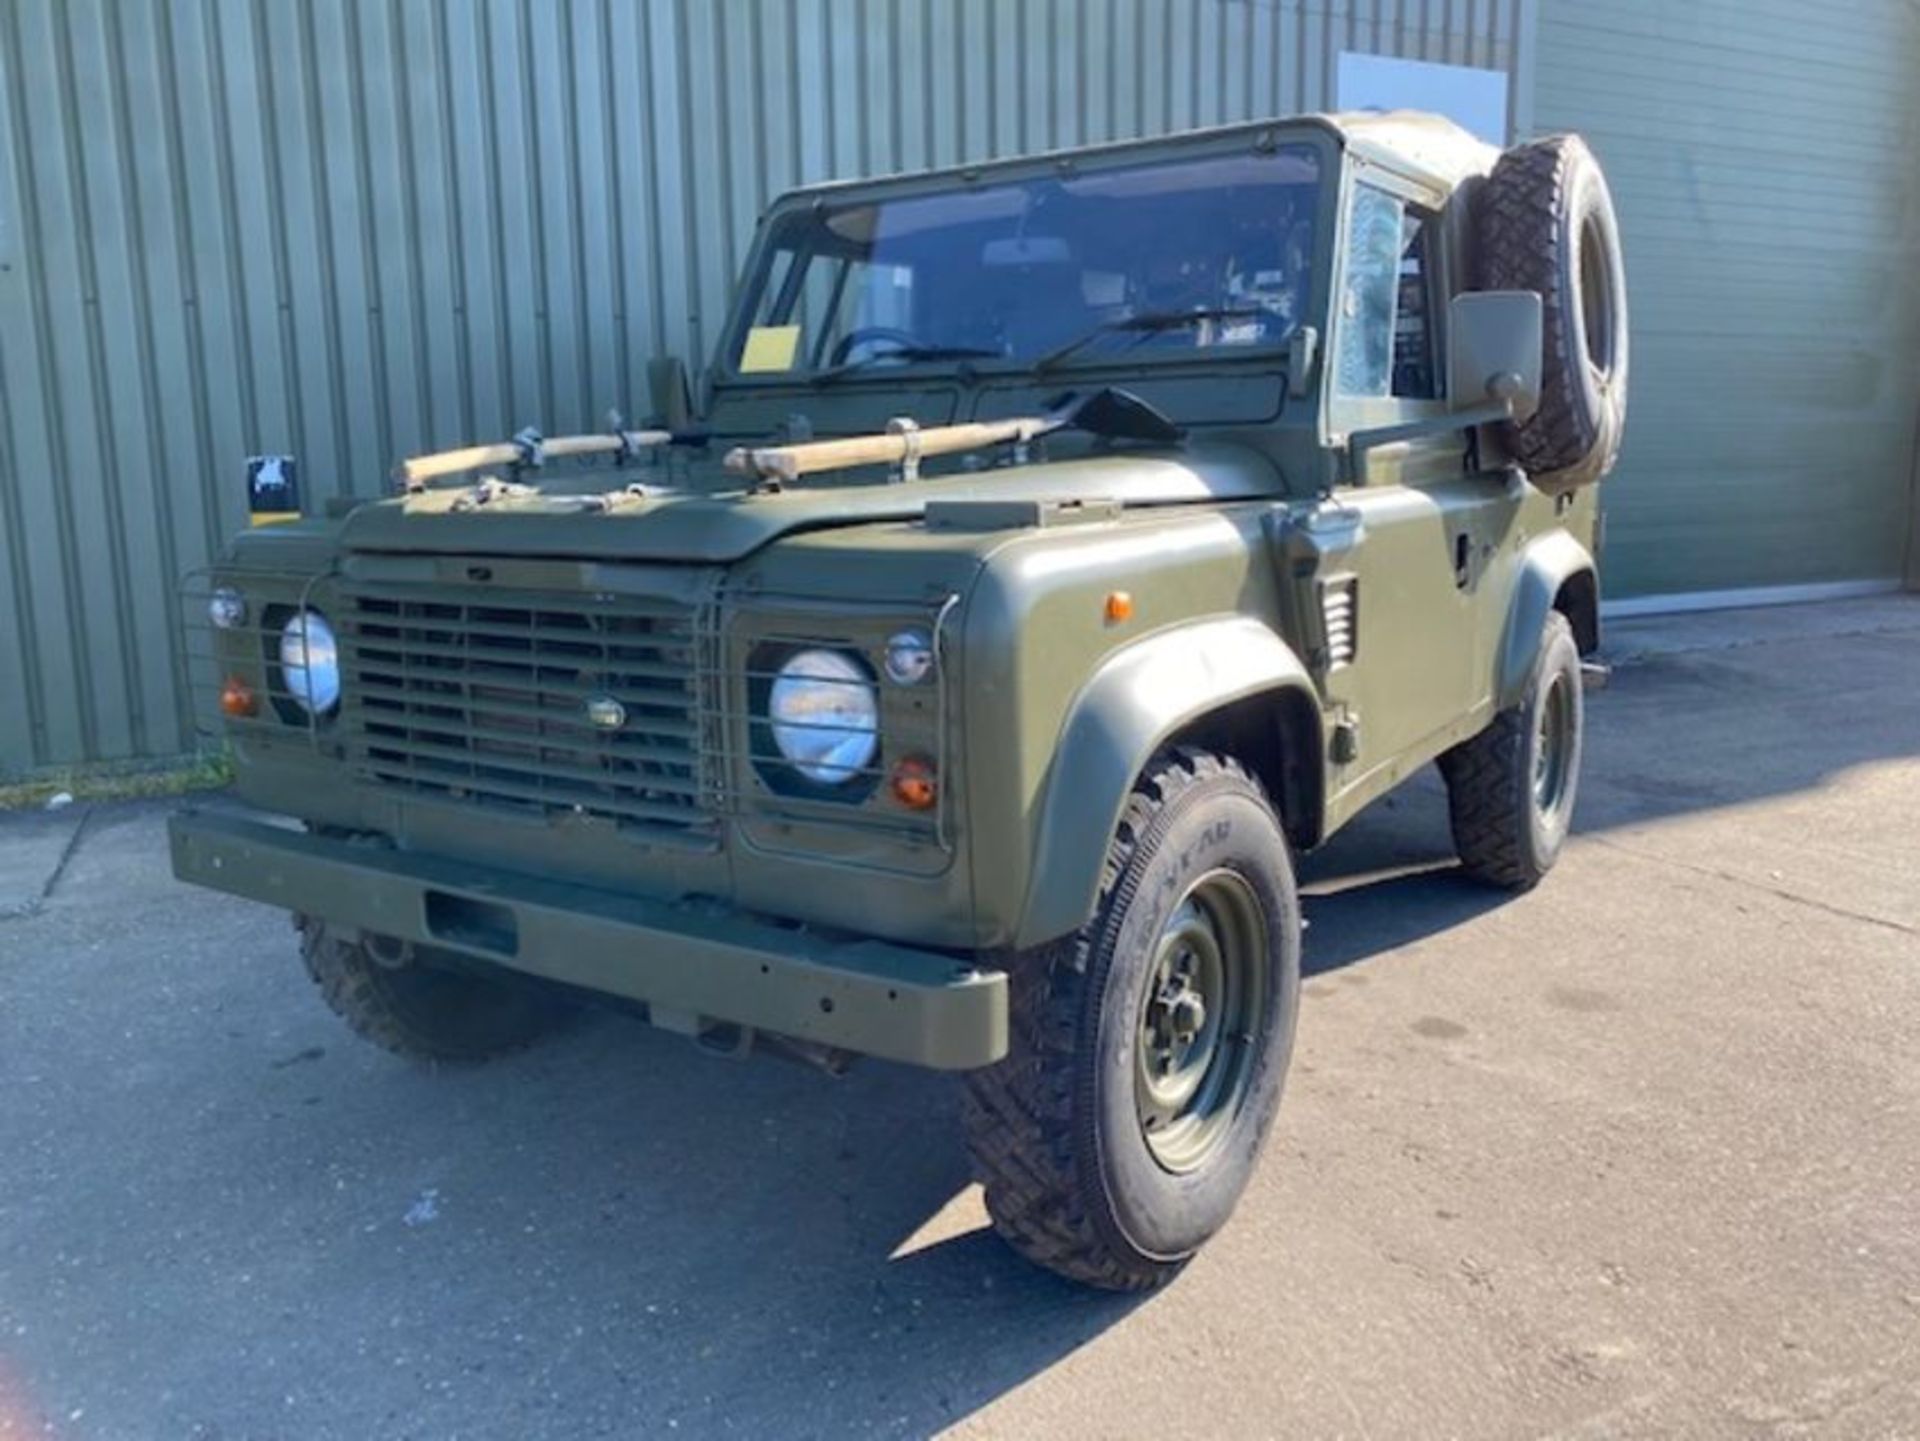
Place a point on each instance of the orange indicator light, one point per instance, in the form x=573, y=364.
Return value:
x=913, y=783
x=237, y=698
x=1119, y=606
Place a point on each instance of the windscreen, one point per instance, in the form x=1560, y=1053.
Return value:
x=1178, y=255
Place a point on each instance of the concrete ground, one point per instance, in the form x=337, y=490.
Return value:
x=1635, y=1155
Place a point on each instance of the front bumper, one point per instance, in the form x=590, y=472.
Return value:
x=691, y=968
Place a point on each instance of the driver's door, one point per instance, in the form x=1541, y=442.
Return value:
x=1407, y=587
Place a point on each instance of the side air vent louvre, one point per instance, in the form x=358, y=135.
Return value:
x=1340, y=618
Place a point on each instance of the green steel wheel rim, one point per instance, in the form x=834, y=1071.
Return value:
x=1553, y=747
x=1197, y=1042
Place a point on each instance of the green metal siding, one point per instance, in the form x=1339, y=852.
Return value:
x=1762, y=159
x=356, y=229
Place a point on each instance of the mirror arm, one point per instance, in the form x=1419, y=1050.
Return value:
x=1362, y=441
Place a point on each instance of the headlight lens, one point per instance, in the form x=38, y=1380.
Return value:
x=824, y=715
x=310, y=662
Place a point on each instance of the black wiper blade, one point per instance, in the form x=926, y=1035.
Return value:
x=907, y=353
x=1150, y=322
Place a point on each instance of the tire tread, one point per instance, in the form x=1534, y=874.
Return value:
x=1522, y=247
x=1020, y=1114
x=1488, y=796
x=350, y=982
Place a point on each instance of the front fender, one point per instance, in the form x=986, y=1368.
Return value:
x=1550, y=561
x=1139, y=698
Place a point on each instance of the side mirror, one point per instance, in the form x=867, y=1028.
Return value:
x=668, y=390
x=1494, y=348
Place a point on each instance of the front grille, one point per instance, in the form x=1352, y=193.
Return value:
x=489, y=699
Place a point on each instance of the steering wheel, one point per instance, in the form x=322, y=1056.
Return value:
x=866, y=334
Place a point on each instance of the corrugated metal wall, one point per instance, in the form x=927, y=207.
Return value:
x=1763, y=157
x=355, y=229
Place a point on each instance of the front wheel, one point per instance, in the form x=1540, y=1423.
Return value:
x=1149, y=1049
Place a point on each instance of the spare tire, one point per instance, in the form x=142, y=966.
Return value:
x=1545, y=223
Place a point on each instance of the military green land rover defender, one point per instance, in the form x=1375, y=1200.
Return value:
x=1054, y=549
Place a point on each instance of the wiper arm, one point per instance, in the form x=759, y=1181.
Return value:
x=907, y=353
x=1150, y=322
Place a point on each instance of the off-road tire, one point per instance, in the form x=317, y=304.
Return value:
x=425, y=1009
x=1546, y=223
x=1064, y=1184
x=1503, y=834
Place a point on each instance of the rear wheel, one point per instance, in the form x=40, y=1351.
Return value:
x=416, y=1002
x=1510, y=790
x=1149, y=1050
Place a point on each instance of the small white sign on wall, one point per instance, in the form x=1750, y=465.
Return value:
x=1472, y=98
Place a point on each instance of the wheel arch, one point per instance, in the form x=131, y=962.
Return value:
x=1228, y=684
x=1556, y=573
x=1578, y=599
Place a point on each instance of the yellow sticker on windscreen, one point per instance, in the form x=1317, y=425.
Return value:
x=769, y=347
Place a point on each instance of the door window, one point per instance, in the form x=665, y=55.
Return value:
x=1414, y=373
x=1386, y=321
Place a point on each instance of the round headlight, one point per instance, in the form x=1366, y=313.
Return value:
x=824, y=715
x=909, y=657
x=310, y=662
x=227, y=608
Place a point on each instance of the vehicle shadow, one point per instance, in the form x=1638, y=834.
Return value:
x=782, y=1253
x=673, y=1241
x=1390, y=877
x=711, y=1246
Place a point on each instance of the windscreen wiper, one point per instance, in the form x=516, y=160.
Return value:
x=1150, y=322
x=907, y=353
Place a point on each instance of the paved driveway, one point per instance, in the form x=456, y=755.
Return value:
x=1638, y=1154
